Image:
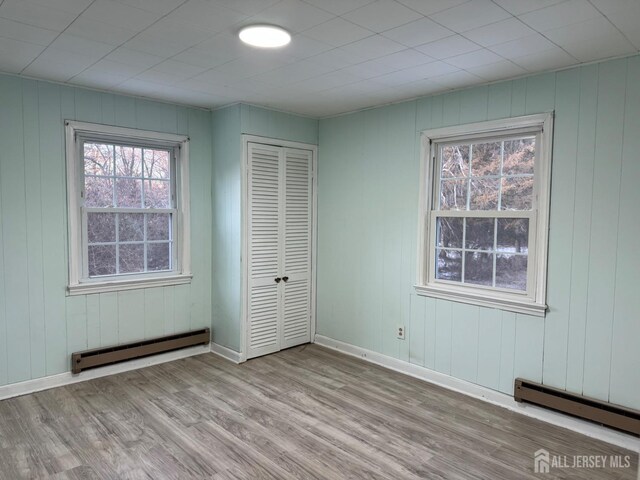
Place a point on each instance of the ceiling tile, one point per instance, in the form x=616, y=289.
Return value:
x=294, y=15
x=473, y=14
x=591, y=40
x=161, y=7
x=457, y=79
x=497, y=71
x=98, y=78
x=337, y=32
x=390, y=63
x=134, y=58
x=418, y=32
x=100, y=31
x=382, y=15
x=431, y=6
x=117, y=68
x=372, y=47
x=302, y=46
x=523, y=46
x=448, y=47
x=416, y=73
x=474, y=59
x=327, y=81
x=247, y=7
x=15, y=55
x=546, y=60
x=336, y=59
x=625, y=15
x=81, y=46
x=499, y=32
x=560, y=15
x=339, y=7
x=293, y=73
x=204, y=57
x=26, y=33
x=69, y=6
x=518, y=7
x=35, y=14
x=207, y=16
x=119, y=14
x=58, y=65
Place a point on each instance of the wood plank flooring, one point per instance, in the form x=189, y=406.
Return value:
x=304, y=413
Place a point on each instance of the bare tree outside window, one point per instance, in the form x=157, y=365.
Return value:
x=128, y=209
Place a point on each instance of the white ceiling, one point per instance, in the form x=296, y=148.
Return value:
x=345, y=54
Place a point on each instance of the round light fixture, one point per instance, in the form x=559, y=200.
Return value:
x=265, y=36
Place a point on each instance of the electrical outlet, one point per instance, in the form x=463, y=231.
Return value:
x=400, y=332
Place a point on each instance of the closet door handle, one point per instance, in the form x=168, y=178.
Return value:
x=284, y=279
x=277, y=279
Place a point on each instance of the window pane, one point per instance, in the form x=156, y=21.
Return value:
x=479, y=233
x=158, y=256
x=98, y=192
x=128, y=193
x=449, y=265
x=513, y=235
x=98, y=159
x=156, y=164
x=101, y=227
x=519, y=156
x=131, y=258
x=157, y=194
x=449, y=232
x=158, y=226
x=102, y=260
x=455, y=161
x=517, y=193
x=511, y=271
x=128, y=161
x=478, y=268
x=484, y=193
x=485, y=159
x=131, y=227
x=453, y=195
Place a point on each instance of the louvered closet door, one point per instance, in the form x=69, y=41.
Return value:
x=264, y=259
x=297, y=197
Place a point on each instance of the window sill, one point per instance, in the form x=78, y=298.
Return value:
x=509, y=304
x=132, y=284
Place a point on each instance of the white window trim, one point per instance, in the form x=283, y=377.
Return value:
x=533, y=304
x=182, y=274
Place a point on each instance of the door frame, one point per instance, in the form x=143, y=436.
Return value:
x=244, y=307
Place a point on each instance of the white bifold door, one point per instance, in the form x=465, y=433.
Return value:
x=279, y=227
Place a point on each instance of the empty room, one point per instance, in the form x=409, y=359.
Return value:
x=319, y=239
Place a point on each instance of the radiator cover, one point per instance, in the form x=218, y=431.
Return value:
x=609, y=414
x=99, y=357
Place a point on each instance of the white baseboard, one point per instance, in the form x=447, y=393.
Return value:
x=486, y=394
x=225, y=352
x=67, y=378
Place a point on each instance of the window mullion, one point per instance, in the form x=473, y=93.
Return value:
x=117, y=243
x=495, y=250
x=464, y=244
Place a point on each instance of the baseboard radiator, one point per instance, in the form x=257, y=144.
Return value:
x=609, y=414
x=100, y=357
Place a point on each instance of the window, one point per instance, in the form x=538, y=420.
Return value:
x=128, y=208
x=484, y=213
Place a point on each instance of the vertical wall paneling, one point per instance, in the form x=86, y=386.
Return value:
x=52, y=186
x=33, y=199
x=581, y=227
x=39, y=325
x=489, y=342
x=604, y=237
x=14, y=209
x=464, y=341
x=585, y=342
x=624, y=384
x=560, y=231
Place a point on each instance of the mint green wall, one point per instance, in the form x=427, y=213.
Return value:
x=39, y=325
x=228, y=126
x=368, y=213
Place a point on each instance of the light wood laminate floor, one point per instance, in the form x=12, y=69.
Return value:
x=306, y=413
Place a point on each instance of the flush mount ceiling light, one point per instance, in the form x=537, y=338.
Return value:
x=265, y=36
